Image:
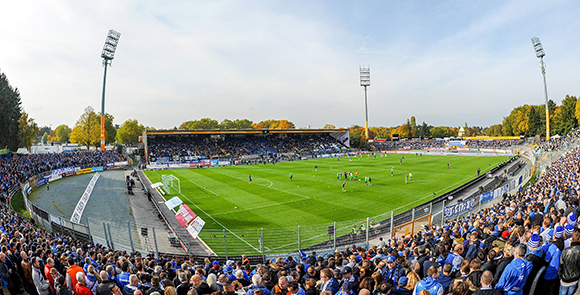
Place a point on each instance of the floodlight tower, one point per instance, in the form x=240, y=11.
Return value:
x=108, y=54
x=539, y=49
x=365, y=80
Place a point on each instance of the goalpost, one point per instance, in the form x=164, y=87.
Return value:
x=170, y=182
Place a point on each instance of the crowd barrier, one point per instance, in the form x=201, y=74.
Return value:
x=268, y=243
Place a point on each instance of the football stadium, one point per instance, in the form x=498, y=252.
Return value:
x=154, y=196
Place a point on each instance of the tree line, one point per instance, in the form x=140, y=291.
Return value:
x=20, y=130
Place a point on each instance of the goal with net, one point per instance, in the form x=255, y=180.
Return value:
x=171, y=184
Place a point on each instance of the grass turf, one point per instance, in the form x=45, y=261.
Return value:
x=313, y=199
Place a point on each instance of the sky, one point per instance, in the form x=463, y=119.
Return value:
x=444, y=62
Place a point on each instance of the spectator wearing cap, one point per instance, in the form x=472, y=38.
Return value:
x=516, y=273
x=348, y=276
x=329, y=283
x=401, y=288
x=535, y=254
x=568, y=231
x=392, y=271
x=569, y=269
x=572, y=219
x=229, y=271
x=430, y=283
x=552, y=258
x=346, y=289
x=257, y=285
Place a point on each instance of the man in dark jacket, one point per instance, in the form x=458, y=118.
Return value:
x=423, y=256
x=103, y=287
x=569, y=270
x=201, y=287
x=536, y=257
x=7, y=275
x=486, y=289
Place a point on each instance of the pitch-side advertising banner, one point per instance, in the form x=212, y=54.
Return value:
x=80, y=208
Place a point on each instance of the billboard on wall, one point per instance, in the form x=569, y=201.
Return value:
x=185, y=215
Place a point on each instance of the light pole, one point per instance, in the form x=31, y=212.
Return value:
x=539, y=49
x=365, y=80
x=108, y=54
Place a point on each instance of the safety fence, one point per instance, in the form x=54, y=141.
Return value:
x=272, y=242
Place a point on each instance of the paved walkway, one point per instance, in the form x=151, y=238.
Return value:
x=197, y=246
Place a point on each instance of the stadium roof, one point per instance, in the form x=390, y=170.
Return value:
x=242, y=131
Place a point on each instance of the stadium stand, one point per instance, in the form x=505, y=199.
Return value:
x=205, y=147
x=529, y=239
x=434, y=143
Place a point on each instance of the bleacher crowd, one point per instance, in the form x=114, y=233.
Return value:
x=16, y=168
x=433, y=143
x=231, y=147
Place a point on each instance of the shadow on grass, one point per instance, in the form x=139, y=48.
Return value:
x=17, y=203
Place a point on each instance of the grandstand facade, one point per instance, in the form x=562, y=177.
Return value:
x=193, y=146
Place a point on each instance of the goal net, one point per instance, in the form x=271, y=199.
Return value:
x=171, y=183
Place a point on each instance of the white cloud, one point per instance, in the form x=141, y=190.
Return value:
x=178, y=61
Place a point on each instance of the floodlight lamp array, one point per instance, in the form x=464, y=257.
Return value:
x=365, y=76
x=110, y=45
x=538, y=48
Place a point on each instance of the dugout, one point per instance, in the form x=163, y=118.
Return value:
x=217, y=138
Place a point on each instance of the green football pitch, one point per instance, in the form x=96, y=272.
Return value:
x=225, y=199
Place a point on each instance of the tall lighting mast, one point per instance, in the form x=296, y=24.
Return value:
x=108, y=54
x=365, y=80
x=539, y=49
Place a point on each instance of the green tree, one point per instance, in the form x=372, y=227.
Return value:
x=110, y=130
x=62, y=133
x=356, y=136
x=27, y=131
x=227, y=124
x=201, y=124
x=10, y=112
x=129, y=132
x=568, y=119
x=87, y=130
x=441, y=132
x=534, y=122
x=413, y=127
x=425, y=130
x=243, y=124
x=45, y=138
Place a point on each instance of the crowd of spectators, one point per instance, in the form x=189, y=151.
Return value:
x=556, y=143
x=232, y=147
x=433, y=143
x=17, y=168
